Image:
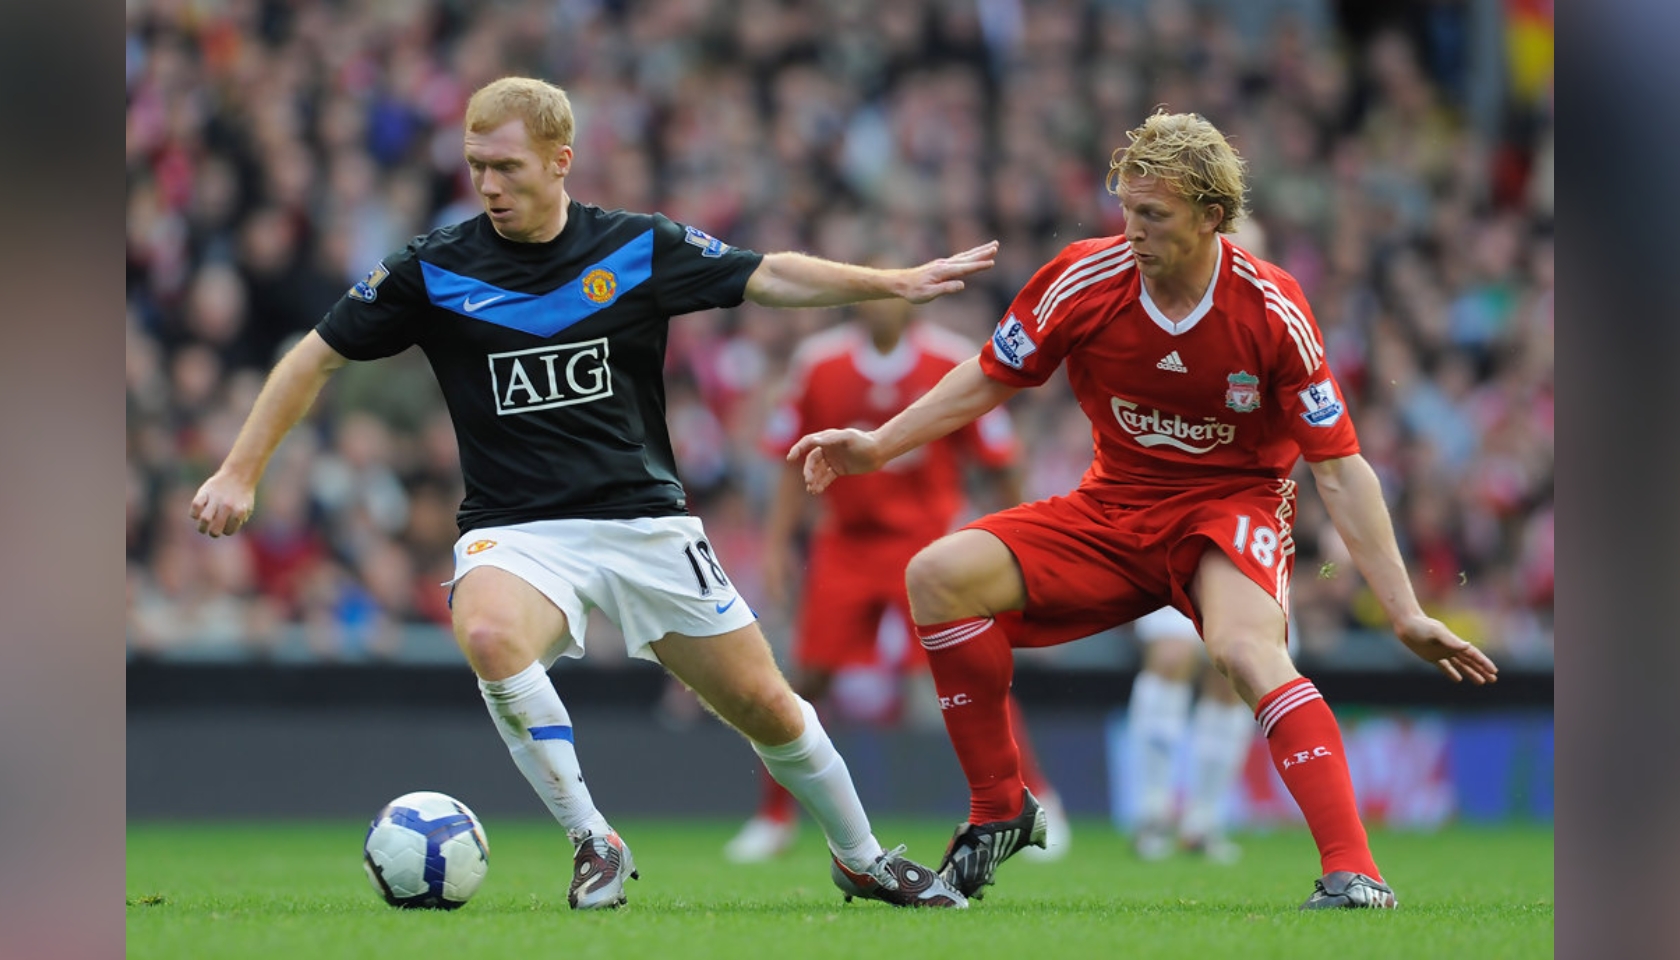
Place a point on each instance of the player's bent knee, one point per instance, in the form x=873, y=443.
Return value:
x=494, y=649
x=934, y=581
x=1231, y=656
x=767, y=723
x=1250, y=662
x=765, y=710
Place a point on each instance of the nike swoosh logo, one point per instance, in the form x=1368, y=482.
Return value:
x=721, y=607
x=468, y=305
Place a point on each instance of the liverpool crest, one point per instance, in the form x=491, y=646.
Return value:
x=1242, y=392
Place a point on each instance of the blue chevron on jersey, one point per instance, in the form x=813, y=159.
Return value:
x=547, y=314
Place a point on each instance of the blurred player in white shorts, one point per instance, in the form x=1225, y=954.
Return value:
x=1221, y=729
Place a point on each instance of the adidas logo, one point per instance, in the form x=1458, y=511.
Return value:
x=1173, y=363
x=999, y=846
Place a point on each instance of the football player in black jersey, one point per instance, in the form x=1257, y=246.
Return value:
x=545, y=322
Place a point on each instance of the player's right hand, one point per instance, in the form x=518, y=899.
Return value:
x=831, y=454
x=937, y=278
x=222, y=505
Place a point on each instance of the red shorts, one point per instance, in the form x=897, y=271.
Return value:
x=1093, y=564
x=850, y=583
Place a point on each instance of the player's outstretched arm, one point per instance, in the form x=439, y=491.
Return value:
x=799, y=280
x=226, y=500
x=1353, y=496
x=959, y=398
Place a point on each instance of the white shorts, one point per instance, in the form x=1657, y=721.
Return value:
x=651, y=577
x=1165, y=624
x=1168, y=624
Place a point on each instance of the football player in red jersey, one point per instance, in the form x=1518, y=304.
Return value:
x=1202, y=372
x=858, y=374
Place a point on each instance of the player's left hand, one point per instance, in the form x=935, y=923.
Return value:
x=936, y=278
x=1430, y=639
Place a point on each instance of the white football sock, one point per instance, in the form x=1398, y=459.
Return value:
x=538, y=732
x=1156, y=716
x=1220, y=737
x=815, y=773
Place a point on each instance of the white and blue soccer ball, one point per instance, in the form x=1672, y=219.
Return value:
x=426, y=849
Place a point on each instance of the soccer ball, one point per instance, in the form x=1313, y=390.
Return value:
x=426, y=849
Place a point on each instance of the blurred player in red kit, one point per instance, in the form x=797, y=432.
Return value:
x=1202, y=372
x=858, y=374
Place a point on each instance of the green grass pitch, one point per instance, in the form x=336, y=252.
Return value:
x=283, y=890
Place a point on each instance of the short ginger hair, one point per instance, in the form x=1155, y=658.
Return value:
x=544, y=108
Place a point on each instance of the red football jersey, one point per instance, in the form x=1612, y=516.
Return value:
x=837, y=379
x=1237, y=387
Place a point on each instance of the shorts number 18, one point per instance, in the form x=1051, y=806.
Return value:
x=1259, y=541
x=703, y=562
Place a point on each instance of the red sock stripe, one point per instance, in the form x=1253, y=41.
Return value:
x=938, y=636
x=1277, y=704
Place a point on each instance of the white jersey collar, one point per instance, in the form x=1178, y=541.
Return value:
x=1177, y=327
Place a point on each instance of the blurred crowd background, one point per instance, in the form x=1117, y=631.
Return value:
x=1400, y=159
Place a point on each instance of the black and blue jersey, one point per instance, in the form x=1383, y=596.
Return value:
x=550, y=355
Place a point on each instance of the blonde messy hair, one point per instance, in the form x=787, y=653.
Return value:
x=1191, y=154
x=543, y=106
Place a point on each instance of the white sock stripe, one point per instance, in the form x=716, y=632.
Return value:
x=958, y=634
x=1269, y=724
x=1079, y=269
x=959, y=627
x=948, y=641
x=961, y=632
x=1282, y=706
x=1289, y=701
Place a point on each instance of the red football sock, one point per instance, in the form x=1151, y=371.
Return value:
x=774, y=801
x=1306, y=747
x=1031, y=773
x=972, y=663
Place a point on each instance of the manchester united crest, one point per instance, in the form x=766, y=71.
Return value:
x=600, y=285
x=1242, y=392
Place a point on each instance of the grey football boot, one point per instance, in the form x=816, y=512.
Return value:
x=599, y=869
x=896, y=879
x=1346, y=890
